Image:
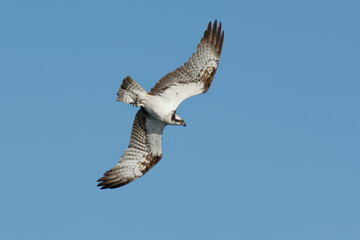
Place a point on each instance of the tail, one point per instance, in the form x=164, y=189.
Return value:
x=130, y=92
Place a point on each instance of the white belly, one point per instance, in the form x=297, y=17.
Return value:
x=158, y=108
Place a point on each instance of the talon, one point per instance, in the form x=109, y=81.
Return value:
x=135, y=104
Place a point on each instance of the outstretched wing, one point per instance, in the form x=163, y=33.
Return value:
x=195, y=76
x=143, y=153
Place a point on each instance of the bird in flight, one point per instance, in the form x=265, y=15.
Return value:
x=158, y=108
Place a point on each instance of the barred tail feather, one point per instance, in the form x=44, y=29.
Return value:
x=130, y=91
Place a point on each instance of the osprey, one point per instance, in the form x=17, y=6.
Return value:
x=158, y=108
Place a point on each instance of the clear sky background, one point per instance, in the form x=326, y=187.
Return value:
x=272, y=151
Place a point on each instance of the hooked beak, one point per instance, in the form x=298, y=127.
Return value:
x=183, y=123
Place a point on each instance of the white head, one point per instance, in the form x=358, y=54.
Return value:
x=176, y=120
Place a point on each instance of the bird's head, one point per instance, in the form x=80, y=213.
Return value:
x=176, y=120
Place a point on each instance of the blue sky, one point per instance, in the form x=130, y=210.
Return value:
x=270, y=152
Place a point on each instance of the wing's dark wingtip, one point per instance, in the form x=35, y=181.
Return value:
x=103, y=186
x=109, y=183
x=214, y=35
